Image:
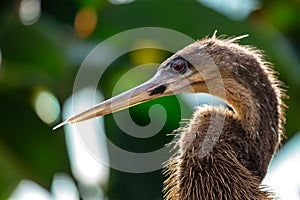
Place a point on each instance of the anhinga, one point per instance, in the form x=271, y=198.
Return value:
x=232, y=164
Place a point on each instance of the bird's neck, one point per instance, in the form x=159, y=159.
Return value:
x=228, y=159
x=251, y=88
x=245, y=106
x=259, y=114
x=257, y=104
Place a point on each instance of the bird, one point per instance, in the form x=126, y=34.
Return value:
x=223, y=152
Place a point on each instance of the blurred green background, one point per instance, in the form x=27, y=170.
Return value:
x=43, y=43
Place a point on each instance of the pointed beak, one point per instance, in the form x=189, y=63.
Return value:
x=153, y=88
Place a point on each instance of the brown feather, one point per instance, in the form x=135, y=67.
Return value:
x=231, y=164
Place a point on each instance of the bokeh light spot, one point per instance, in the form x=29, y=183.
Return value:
x=86, y=146
x=46, y=106
x=146, y=55
x=28, y=190
x=234, y=9
x=29, y=11
x=64, y=188
x=118, y=2
x=85, y=21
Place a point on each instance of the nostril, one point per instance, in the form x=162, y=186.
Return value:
x=158, y=90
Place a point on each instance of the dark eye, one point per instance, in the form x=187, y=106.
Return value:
x=179, y=65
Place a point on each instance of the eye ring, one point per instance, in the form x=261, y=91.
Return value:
x=179, y=65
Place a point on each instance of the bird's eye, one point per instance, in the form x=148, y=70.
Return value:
x=179, y=65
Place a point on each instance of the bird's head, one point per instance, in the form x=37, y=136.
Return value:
x=190, y=70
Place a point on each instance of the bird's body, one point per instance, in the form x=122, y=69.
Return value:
x=230, y=170
x=221, y=153
x=237, y=163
